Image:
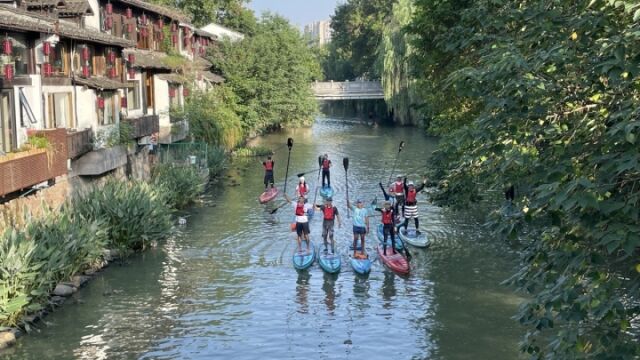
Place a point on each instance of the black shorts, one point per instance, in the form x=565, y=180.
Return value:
x=268, y=177
x=302, y=228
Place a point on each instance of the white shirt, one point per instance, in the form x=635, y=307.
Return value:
x=304, y=218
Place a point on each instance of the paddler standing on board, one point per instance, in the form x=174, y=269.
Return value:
x=330, y=213
x=326, y=170
x=411, y=203
x=268, y=173
x=397, y=191
x=301, y=209
x=360, y=227
x=302, y=189
x=388, y=216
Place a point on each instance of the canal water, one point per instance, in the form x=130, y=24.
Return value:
x=224, y=287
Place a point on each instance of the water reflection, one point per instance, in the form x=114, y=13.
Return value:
x=302, y=291
x=329, y=288
x=388, y=289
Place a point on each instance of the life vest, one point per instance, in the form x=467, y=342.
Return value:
x=325, y=164
x=268, y=165
x=411, y=196
x=303, y=189
x=300, y=210
x=398, y=187
x=329, y=213
x=387, y=216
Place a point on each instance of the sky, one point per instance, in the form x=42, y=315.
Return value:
x=299, y=12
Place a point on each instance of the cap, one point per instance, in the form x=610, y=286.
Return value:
x=301, y=178
x=359, y=201
x=386, y=203
x=398, y=176
x=410, y=183
x=328, y=199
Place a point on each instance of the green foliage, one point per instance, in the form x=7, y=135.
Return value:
x=120, y=134
x=543, y=95
x=270, y=73
x=217, y=160
x=230, y=13
x=38, y=142
x=251, y=151
x=174, y=60
x=178, y=185
x=133, y=212
x=213, y=117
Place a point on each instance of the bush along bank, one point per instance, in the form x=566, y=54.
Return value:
x=49, y=258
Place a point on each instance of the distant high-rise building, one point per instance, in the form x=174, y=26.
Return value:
x=319, y=31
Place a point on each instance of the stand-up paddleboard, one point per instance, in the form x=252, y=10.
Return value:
x=329, y=262
x=360, y=266
x=410, y=236
x=396, y=262
x=326, y=191
x=380, y=232
x=268, y=195
x=304, y=258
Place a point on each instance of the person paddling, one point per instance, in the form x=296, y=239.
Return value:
x=397, y=190
x=268, y=173
x=360, y=227
x=330, y=213
x=302, y=220
x=411, y=203
x=387, y=226
x=302, y=189
x=326, y=172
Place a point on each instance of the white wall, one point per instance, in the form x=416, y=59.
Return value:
x=32, y=94
x=223, y=32
x=161, y=97
x=93, y=21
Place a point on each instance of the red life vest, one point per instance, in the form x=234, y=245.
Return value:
x=299, y=209
x=411, y=196
x=329, y=213
x=268, y=165
x=398, y=187
x=303, y=189
x=387, y=216
x=325, y=164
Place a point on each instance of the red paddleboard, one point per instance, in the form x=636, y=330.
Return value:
x=268, y=195
x=394, y=261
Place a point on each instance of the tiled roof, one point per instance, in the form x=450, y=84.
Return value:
x=43, y=3
x=205, y=34
x=214, y=78
x=174, y=78
x=75, y=7
x=18, y=19
x=158, y=9
x=101, y=83
x=201, y=63
x=148, y=59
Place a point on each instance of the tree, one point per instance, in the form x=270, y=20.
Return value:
x=230, y=13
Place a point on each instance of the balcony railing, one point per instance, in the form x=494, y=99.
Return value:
x=79, y=142
x=143, y=126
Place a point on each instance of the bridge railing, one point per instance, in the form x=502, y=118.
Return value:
x=348, y=89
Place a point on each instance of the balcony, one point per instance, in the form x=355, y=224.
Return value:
x=143, y=126
x=79, y=142
x=24, y=169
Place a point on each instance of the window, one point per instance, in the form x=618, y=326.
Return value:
x=174, y=95
x=60, y=113
x=145, y=42
x=133, y=96
x=108, y=114
x=149, y=89
x=59, y=59
x=20, y=57
x=78, y=62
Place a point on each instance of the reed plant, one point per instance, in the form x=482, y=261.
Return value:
x=178, y=185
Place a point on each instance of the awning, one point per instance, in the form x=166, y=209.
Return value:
x=101, y=83
x=211, y=77
x=173, y=78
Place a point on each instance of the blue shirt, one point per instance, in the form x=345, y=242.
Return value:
x=359, y=216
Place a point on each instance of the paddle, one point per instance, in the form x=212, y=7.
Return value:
x=315, y=196
x=345, y=163
x=286, y=176
x=395, y=162
x=404, y=245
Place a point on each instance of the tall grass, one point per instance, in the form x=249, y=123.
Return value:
x=178, y=185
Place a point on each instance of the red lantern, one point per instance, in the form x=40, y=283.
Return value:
x=112, y=57
x=174, y=27
x=129, y=13
x=174, y=39
x=160, y=23
x=129, y=27
x=47, y=69
x=185, y=92
x=112, y=72
x=7, y=46
x=109, y=9
x=132, y=59
x=85, y=71
x=161, y=36
x=143, y=32
x=85, y=53
x=8, y=72
x=132, y=73
x=100, y=102
x=123, y=102
x=108, y=23
x=172, y=92
x=143, y=19
x=46, y=48
x=201, y=51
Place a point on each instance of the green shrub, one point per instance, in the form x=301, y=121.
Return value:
x=134, y=214
x=217, y=160
x=253, y=151
x=178, y=185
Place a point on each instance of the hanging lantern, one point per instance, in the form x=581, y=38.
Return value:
x=85, y=53
x=47, y=69
x=85, y=71
x=111, y=56
x=143, y=32
x=123, y=102
x=174, y=39
x=109, y=9
x=8, y=72
x=160, y=24
x=185, y=92
x=132, y=59
x=108, y=23
x=201, y=51
x=129, y=27
x=143, y=19
x=161, y=36
x=174, y=27
x=129, y=13
x=132, y=73
x=46, y=48
x=112, y=72
x=100, y=102
x=172, y=92
x=7, y=46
